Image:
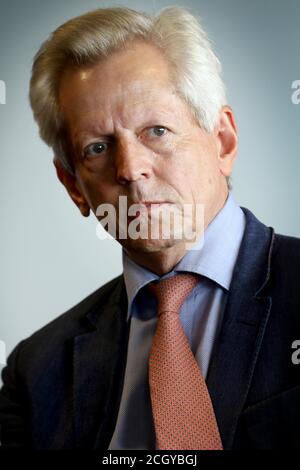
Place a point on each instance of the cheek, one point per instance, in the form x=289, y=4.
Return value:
x=195, y=164
x=195, y=170
x=204, y=163
x=97, y=190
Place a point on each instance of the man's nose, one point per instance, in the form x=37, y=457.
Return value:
x=132, y=162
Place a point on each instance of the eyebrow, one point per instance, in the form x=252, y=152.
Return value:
x=93, y=130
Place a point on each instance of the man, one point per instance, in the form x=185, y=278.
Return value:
x=188, y=348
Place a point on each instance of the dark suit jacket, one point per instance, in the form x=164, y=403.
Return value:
x=62, y=386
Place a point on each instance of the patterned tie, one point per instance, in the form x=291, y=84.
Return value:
x=182, y=410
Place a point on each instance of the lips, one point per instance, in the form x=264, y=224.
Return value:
x=154, y=203
x=149, y=203
x=146, y=207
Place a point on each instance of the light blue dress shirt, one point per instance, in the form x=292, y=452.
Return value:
x=201, y=317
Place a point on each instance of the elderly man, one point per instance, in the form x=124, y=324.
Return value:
x=191, y=347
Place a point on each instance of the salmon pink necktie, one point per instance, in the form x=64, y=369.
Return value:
x=182, y=410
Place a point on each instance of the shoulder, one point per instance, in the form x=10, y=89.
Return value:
x=285, y=266
x=69, y=324
x=273, y=257
x=283, y=249
x=287, y=249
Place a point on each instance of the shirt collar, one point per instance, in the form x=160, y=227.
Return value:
x=214, y=255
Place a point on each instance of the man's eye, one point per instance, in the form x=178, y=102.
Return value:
x=95, y=149
x=157, y=131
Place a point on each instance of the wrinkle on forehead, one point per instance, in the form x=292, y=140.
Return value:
x=96, y=89
x=129, y=103
x=138, y=63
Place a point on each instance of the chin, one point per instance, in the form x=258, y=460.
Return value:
x=148, y=245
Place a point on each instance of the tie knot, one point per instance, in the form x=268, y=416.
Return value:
x=172, y=291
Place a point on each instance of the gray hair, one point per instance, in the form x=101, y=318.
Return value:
x=86, y=39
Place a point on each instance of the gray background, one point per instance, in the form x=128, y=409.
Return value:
x=50, y=255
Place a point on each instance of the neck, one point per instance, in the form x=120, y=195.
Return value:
x=159, y=262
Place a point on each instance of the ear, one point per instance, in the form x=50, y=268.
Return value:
x=70, y=183
x=226, y=134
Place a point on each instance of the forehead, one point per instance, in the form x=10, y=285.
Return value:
x=138, y=73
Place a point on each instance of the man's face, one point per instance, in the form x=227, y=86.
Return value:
x=132, y=135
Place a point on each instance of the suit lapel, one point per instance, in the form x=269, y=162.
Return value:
x=99, y=358
x=245, y=318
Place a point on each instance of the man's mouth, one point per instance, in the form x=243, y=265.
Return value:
x=147, y=206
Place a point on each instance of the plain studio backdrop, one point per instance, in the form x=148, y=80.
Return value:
x=51, y=257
